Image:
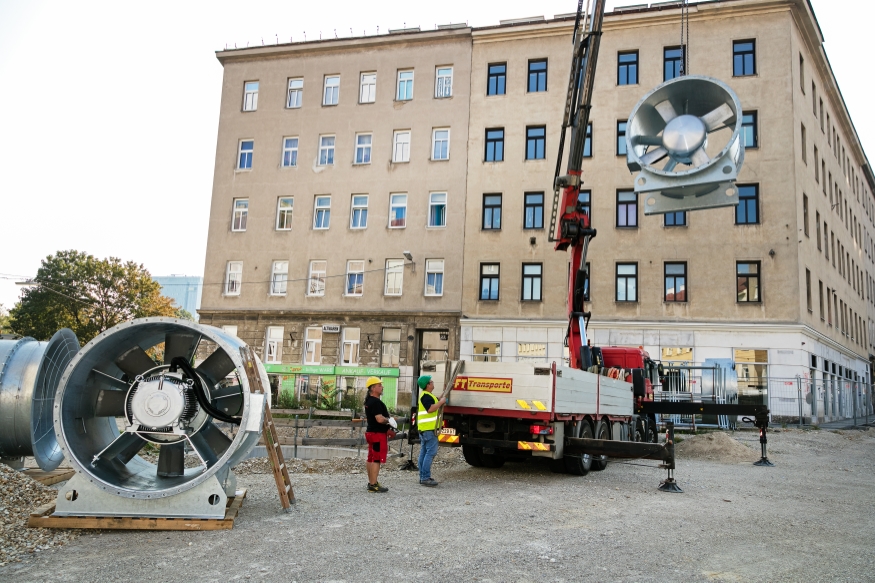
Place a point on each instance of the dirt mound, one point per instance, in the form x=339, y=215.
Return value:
x=716, y=446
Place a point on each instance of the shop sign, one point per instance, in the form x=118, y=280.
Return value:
x=331, y=328
x=327, y=369
x=366, y=371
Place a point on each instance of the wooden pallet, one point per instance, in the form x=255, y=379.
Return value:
x=49, y=478
x=42, y=518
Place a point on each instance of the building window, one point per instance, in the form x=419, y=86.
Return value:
x=296, y=93
x=747, y=278
x=491, y=211
x=368, y=88
x=627, y=68
x=284, y=207
x=627, y=282
x=805, y=214
x=535, y=142
x=363, y=148
x=621, y=138
x=675, y=282
x=279, y=277
x=494, y=145
x=808, y=290
x=489, y=281
x=532, y=282
x=743, y=58
x=401, y=148
x=820, y=299
x=397, y=211
x=627, y=208
x=322, y=212
x=749, y=133
x=245, y=150
x=359, y=214
x=801, y=73
x=584, y=203
x=332, y=90
x=233, y=278
x=495, y=79
x=273, y=344
x=250, y=96
x=240, y=214
x=355, y=277
x=394, y=277
x=672, y=63
x=676, y=219
x=405, y=86
x=440, y=144
x=351, y=343
x=326, y=150
x=313, y=346
x=316, y=279
x=534, y=210
x=434, y=277
x=817, y=224
x=816, y=166
x=587, y=142
x=290, y=152
x=747, y=211
x=437, y=209
x=537, y=76
x=443, y=84
x=391, y=347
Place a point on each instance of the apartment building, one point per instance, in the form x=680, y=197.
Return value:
x=780, y=287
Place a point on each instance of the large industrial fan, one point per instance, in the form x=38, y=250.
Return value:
x=684, y=138
x=134, y=393
x=29, y=374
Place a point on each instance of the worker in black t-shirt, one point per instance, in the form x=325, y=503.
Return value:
x=379, y=423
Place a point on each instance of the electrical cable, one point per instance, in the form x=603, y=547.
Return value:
x=199, y=392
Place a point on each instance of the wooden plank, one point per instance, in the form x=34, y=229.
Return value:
x=49, y=478
x=314, y=413
x=304, y=423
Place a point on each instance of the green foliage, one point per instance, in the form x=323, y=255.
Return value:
x=286, y=400
x=327, y=396
x=88, y=295
x=5, y=326
x=183, y=314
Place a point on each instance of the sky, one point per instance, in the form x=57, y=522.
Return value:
x=110, y=110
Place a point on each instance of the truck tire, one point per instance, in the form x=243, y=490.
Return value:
x=651, y=435
x=558, y=466
x=492, y=460
x=600, y=462
x=639, y=431
x=582, y=464
x=472, y=455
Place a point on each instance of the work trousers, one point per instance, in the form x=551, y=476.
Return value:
x=428, y=447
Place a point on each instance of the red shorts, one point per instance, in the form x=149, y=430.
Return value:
x=378, y=447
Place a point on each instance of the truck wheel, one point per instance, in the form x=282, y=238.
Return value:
x=639, y=431
x=558, y=466
x=492, y=460
x=600, y=462
x=472, y=455
x=652, y=436
x=582, y=464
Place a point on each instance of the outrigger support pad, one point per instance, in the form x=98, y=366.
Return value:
x=669, y=484
x=761, y=421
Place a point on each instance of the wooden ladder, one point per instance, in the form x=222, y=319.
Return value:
x=270, y=436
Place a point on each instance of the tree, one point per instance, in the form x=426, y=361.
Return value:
x=88, y=295
x=5, y=328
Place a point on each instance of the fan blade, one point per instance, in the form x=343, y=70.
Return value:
x=216, y=367
x=123, y=448
x=210, y=442
x=135, y=362
x=182, y=345
x=110, y=403
x=654, y=156
x=647, y=140
x=669, y=166
x=228, y=399
x=714, y=119
x=171, y=460
x=699, y=157
x=666, y=110
x=98, y=376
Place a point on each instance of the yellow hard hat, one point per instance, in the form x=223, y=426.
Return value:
x=372, y=381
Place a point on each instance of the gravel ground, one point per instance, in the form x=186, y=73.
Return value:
x=810, y=518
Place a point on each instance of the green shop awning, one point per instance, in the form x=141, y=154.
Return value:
x=347, y=371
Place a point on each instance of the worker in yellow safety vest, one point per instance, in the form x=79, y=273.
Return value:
x=426, y=424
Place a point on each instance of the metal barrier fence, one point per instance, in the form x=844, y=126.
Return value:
x=804, y=401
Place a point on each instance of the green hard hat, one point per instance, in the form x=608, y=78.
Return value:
x=423, y=381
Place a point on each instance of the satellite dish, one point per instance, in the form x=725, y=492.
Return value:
x=684, y=140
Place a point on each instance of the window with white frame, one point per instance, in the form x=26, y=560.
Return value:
x=290, y=152
x=296, y=93
x=390, y=348
x=368, y=92
x=443, y=85
x=363, y=148
x=233, y=278
x=240, y=214
x=250, y=96
x=355, y=278
x=326, y=150
x=284, y=207
x=434, y=277
x=316, y=279
x=322, y=213
x=279, y=278
x=394, y=276
x=397, y=211
x=359, y=216
x=313, y=346
x=230, y=330
x=351, y=340
x=273, y=344
x=437, y=209
x=332, y=90
x=405, y=86
x=401, y=147
x=245, y=151
x=440, y=144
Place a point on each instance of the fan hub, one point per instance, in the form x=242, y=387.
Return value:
x=159, y=401
x=684, y=135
